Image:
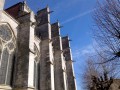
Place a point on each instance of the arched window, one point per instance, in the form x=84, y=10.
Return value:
x=7, y=47
x=0, y=47
x=36, y=68
x=36, y=75
x=3, y=68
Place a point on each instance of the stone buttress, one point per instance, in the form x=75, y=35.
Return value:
x=43, y=31
x=59, y=62
x=24, y=68
x=41, y=58
x=69, y=63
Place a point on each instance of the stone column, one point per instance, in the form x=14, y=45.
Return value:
x=1, y=7
x=69, y=64
x=43, y=31
x=2, y=4
x=59, y=62
x=24, y=65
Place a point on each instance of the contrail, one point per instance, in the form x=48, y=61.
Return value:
x=78, y=16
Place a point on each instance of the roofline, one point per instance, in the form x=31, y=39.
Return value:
x=14, y=5
x=65, y=37
x=42, y=9
x=55, y=23
x=11, y=17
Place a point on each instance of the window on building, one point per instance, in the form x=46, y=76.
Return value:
x=36, y=75
x=36, y=68
x=7, y=47
x=4, y=66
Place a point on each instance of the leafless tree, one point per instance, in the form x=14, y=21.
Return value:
x=90, y=70
x=107, y=36
x=107, y=30
x=98, y=71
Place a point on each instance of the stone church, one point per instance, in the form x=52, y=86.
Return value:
x=33, y=55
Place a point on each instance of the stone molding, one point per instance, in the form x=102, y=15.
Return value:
x=5, y=87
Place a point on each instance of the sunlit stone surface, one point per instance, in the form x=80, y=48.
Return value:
x=32, y=53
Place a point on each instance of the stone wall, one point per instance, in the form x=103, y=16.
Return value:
x=1, y=7
x=59, y=62
x=69, y=63
x=2, y=4
x=40, y=51
x=43, y=31
x=24, y=71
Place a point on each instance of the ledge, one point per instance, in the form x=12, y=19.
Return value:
x=5, y=87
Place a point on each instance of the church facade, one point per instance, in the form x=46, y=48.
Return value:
x=33, y=55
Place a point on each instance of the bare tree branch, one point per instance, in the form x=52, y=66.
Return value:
x=107, y=30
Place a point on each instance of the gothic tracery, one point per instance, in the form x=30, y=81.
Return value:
x=7, y=47
x=36, y=66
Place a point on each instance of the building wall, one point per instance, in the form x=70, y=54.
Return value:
x=59, y=62
x=37, y=60
x=71, y=85
x=6, y=18
x=1, y=8
x=24, y=71
x=2, y=4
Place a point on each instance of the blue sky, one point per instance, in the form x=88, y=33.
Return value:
x=76, y=17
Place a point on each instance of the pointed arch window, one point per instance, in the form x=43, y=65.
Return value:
x=36, y=68
x=3, y=68
x=7, y=48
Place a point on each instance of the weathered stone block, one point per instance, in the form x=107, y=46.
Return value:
x=55, y=29
x=43, y=16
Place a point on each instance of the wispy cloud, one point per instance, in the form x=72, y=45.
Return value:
x=66, y=4
x=78, y=16
x=87, y=50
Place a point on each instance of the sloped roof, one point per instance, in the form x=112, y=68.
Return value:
x=14, y=10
